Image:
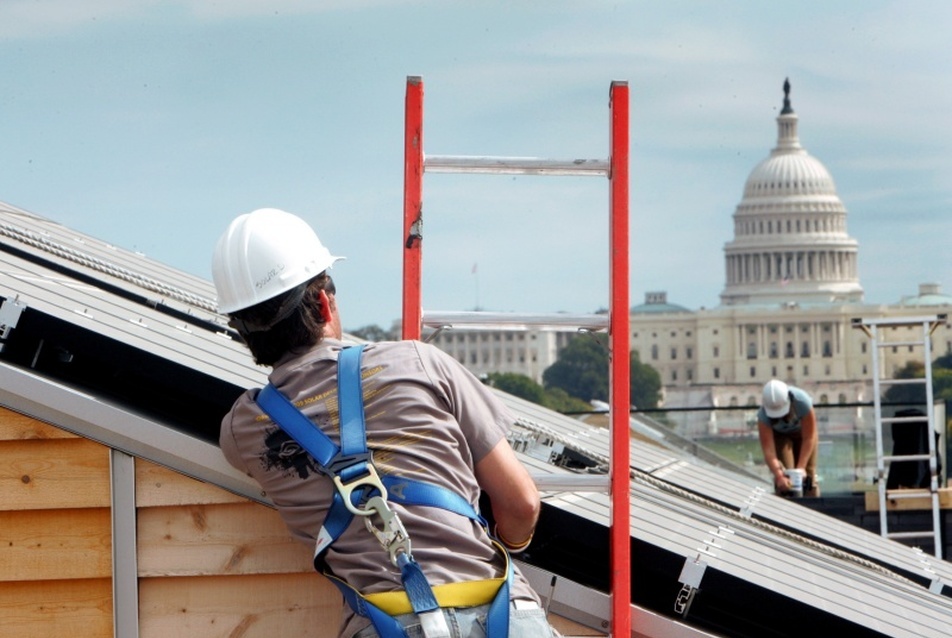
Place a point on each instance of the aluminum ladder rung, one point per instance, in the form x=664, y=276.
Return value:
x=572, y=483
x=888, y=344
x=922, y=534
x=899, y=321
x=902, y=419
x=513, y=165
x=916, y=381
x=906, y=457
x=514, y=321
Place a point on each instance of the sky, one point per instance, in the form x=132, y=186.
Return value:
x=150, y=124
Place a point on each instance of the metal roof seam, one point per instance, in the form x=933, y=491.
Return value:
x=103, y=266
x=638, y=475
x=763, y=525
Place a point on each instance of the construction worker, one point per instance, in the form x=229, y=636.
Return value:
x=427, y=422
x=786, y=423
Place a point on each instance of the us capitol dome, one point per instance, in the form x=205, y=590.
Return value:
x=790, y=242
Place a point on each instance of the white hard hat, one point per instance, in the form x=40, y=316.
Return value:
x=776, y=399
x=263, y=254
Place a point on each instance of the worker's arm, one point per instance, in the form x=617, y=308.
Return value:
x=770, y=457
x=808, y=434
x=513, y=494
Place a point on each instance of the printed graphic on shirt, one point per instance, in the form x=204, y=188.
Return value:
x=284, y=453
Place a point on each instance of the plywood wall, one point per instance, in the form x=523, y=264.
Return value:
x=210, y=563
x=55, y=532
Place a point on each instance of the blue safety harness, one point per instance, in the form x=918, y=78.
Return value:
x=362, y=492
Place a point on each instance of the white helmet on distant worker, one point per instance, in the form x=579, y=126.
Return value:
x=263, y=254
x=776, y=399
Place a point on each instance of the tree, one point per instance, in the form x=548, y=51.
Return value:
x=645, y=384
x=518, y=385
x=559, y=400
x=581, y=369
x=942, y=384
x=910, y=394
x=522, y=386
x=945, y=361
x=372, y=332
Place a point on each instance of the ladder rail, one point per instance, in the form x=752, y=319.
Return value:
x=412, y=208
x=878, y=416
x=620, y=363
x=616, y=168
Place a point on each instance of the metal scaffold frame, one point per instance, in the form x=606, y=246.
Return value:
x=616, y=169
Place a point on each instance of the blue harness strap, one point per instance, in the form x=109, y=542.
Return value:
x=350, y=462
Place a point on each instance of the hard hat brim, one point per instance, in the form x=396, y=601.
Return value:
x=776, y=413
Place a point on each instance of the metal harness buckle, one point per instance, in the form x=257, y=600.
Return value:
x=393, y=536
x=370, y=479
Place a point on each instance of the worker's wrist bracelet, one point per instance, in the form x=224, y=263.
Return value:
x=512, y=547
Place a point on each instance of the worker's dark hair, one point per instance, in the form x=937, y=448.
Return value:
x=269, y=335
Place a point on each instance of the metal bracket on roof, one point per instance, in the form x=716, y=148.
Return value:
x=690, y=579
x=10, y=311
x=935, y=581
x=751, y=501
x=693, y=570
x=936, y=585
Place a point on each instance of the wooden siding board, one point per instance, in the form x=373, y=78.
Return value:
x=260, y=606
x=238, y=538
x=15, y=426
x=42, y=609
x=55, y=544
x=53, y=473
x=159, y=486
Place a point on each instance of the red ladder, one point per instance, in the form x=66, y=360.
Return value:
x=616, y=169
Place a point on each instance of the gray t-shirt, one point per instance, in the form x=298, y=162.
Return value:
x=428, y=418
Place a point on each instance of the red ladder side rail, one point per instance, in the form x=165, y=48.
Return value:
x=620, y=379
x=412, y=317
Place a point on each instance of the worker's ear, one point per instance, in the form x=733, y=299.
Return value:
x=326, y=310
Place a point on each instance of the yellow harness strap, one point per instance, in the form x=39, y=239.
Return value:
x=471, y=593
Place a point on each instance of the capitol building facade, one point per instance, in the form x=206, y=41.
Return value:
x=791, y=297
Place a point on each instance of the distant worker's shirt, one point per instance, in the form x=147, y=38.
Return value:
x=800, y=406
x=427, y=418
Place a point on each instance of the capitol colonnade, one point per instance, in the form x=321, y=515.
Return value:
x=801, y=265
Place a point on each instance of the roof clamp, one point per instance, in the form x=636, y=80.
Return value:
x=10, y=311
x=747, y=510
x=693, y=570
x=935, y=581
x=690, y=579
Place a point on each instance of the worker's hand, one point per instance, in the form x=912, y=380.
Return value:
x=782, y=484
